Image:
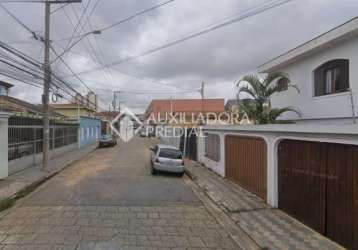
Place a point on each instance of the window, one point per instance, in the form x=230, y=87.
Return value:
x=332, y=77
x=170, y=153
x=282, y=84
x=212, y=147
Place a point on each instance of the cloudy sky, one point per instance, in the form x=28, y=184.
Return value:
x=218, y=58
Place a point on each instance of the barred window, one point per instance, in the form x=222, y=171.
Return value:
x=212, y=147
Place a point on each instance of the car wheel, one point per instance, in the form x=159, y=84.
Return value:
x=181, y=174
x=153, y=171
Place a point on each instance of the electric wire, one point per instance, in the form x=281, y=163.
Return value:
x=258, y=10
x=37, y=38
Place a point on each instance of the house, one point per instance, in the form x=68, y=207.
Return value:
x=15, y=105
x=106, y=117
x=308, y=169
x=324, y=71
x=188, y=113
x=80, y=106
x=90, y=131
x=83, y=110
x=4, y=88
x=73, y=110
x=187, y=107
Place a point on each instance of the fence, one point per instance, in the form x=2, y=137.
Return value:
x=26, y=136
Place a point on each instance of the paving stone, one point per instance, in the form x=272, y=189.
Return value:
x=51, y=221
x=268, y=227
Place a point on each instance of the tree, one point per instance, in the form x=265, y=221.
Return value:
x=261, y=90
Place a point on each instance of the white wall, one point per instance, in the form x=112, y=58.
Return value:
x=273, y=140
x=217, y=167
x=4, y=170
x=22, y=163
x=323, y=107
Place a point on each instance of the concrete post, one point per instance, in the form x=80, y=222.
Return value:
x=4, y=125
x=272, y=172
x=222, y=155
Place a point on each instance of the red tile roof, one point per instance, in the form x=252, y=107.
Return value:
x=186, y=105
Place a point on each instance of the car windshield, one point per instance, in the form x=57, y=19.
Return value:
x=106, y=137
x=170, y=153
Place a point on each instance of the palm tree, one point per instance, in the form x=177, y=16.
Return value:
x=261, y=90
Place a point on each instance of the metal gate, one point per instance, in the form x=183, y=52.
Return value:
x=318, y=185
x=246, y=163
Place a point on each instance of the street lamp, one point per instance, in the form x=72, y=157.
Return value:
x=95, y=32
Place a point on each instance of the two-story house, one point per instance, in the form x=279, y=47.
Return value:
x=324, y=69
x=307, y=169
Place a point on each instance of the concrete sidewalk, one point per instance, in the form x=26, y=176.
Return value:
x=268, y=227
x=20, y=180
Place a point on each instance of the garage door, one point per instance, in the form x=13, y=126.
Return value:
x=318, y=184
x=246, y=163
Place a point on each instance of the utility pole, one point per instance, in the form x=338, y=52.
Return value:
x=171, y=105
x=202, y=97
x=202, y=90
x=47, y=82
x=114, y=103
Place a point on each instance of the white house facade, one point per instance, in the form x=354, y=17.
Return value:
x=308, y=169
x=324, y=69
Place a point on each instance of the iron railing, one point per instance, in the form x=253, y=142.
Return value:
x=26, y=135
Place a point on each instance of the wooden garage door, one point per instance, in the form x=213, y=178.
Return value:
x=318, y=186
x=246, y=163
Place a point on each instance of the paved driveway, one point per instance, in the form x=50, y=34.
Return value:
x=109, y=200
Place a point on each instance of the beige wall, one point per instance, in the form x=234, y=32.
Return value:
x=73, y=112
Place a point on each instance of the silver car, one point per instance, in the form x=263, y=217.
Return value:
x=166, y=158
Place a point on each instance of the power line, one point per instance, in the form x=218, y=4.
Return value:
x=59, y=8
x=78, y=78
x=77, y=25
x=11, y=75
x=149, y=93
x=37, y=37
x=91, y=51
x=34, y=35
x=22, y=1
x=128, y=18
x=101, y=53
x=131, y=75
x=136, y=14
x=31, y=71
x=94, y=7
x=253, y=12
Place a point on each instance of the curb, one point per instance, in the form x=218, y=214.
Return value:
x=240, y=236
x=189, y=174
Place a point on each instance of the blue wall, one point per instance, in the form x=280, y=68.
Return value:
x=90, y=131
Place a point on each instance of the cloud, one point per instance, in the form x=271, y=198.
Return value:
x=219, y=58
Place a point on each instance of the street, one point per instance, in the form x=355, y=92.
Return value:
x=109, y=200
